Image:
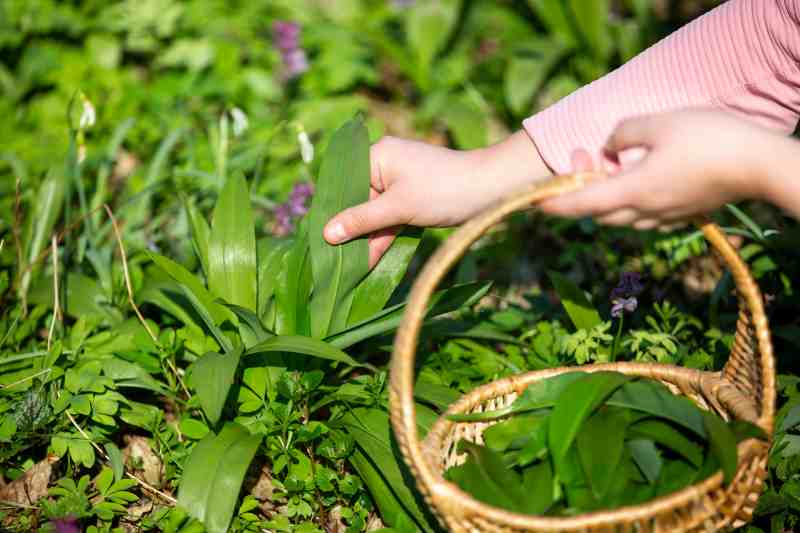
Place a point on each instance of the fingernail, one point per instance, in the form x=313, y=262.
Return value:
x=335, y=233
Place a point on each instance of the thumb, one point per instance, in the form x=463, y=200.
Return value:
x=377, y=214
x=633, y=132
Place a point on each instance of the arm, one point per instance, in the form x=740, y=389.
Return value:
x=743, y=57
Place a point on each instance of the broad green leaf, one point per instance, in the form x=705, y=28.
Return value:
x=205, y=315
x=666, y=435
x=722, y=442
x=646, y=456
x=270, y=253
x=182, y=276
x=536, y=447
x=467, y=120
x=376, y=289
x=537, y=482
x=250, y=327
x=437, y=395
x=232, y=246
x=305, y=346
x=485, y=476
x=538, y=395
x=444, y=301
x=344, y=181
x=214, y=473
x=212, y=378
x=575, y=403
x=591, y=19
x=527, y=71
x=600, y=444
x=388, y=502
x=428, y=26
x=514, y=433
x=371, y=430
x=581, y=312
x=201, y=234
x=654, y=398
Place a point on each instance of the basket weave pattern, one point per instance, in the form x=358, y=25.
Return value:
x=744, y=389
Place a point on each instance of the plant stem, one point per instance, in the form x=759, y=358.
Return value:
x=614, y=346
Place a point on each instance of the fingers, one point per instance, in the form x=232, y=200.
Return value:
x=581, y=161
x=380, y=213
x=598, y=198
x=379, y=242
x=633, y=132
x=622, y=217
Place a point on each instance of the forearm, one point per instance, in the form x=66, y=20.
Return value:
x=741, y=57
x=780, y=184
x=510, y=164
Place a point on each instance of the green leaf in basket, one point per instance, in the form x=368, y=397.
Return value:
x=654, y=398
x=539, y=395
x=666, y=435
x=514, y=433
x=575, y=403
x=600, y=443
x=537, y=482
x=580, y=310
x=485, y=476
x=647, y=458
x=722, y=442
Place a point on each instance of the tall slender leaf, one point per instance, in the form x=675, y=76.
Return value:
x=371, y=431
x=654, y=398
x=212, y=378
x=376, y=289
x=343, y=182
x=214, y=473
x=601, y=442
x=575, y=403
x=292, y=289
x=200, y=235
x=303, y=345
x=591, y=18
x=270, y=253
x=232, y=246
x=578, y=307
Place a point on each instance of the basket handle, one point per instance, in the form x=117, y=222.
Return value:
x=750, y=362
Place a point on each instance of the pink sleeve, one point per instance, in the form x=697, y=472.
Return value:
x=743, y=56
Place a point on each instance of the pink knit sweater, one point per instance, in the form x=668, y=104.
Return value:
x=743, y=56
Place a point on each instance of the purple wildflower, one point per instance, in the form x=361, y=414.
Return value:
x=66, y=525
x=296, y=206
x=286, y=38
x=402, y=4
x=621, y=305
x=630, y=284
x=623, y=296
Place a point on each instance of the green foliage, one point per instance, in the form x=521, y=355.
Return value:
x=599, y=442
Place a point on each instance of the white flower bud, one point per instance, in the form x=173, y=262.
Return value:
x=89, y=115
x=306, y=148
x=240, y=122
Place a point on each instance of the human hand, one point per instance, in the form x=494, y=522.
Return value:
x=425, y=185
x=694, y=161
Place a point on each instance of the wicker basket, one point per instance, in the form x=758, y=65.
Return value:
x=744, y=389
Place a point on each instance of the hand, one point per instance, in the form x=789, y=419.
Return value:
x=425, y=185
x=694, y=161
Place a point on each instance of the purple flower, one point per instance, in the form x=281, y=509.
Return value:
x=296, y=206
x=621, y=305
x=286, y=38
x=283, y=220
x=66, y=525
x=402, y=4
x=630, y=284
